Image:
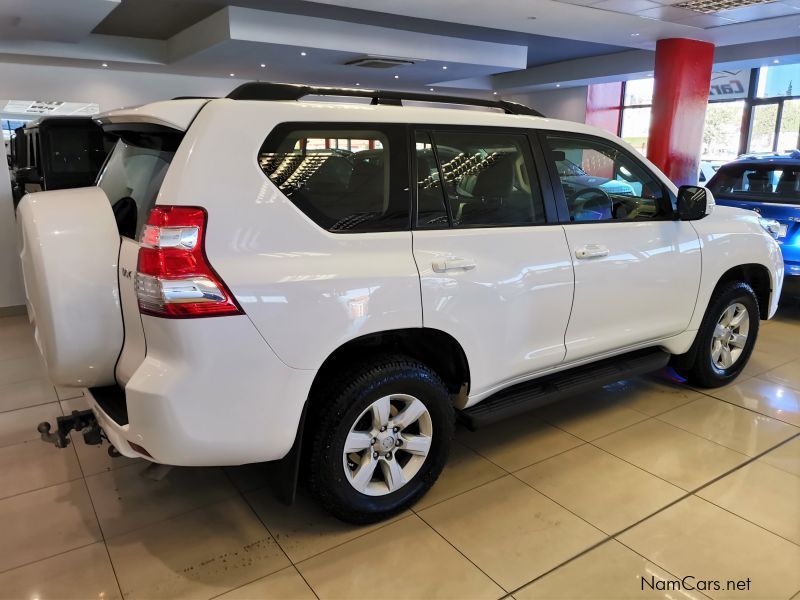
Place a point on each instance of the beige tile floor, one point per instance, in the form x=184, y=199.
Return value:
x=612, y=495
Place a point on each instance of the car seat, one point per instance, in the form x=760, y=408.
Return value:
x=787, y=184
x=489, y=203
x=758, y=182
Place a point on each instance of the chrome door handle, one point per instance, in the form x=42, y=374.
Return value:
x=591, y=251
x=444, y=265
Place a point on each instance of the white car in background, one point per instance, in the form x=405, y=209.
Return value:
x=257, y=278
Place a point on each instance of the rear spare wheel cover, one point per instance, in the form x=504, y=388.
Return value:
x=69, y=248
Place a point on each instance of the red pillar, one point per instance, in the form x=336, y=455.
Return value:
x=680, y=97
x=603, y=105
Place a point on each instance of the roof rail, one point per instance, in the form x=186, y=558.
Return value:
x=258, y=90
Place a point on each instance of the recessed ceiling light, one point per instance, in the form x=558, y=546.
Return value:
x=104, y=65
x=431, y=89
x=494, y=93
x=357, y=83
x=397, y=76
x=532, y=18
x=635, y=34
x=233, y=74
x=263, y=66
x=558, y=85
x=444, y=67
x=303, y=54
x=776, y=61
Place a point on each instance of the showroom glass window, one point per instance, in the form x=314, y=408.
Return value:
x=636, y=108
x=341, y=179
x=476, y=179
x=602, y=182
x=775, y=118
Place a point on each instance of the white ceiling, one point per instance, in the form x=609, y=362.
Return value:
x=452, y=43
x=52, y=20
x=632, y=23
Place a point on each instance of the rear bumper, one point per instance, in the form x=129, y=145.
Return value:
x=209, y=392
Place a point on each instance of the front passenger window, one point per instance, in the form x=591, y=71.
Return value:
x=602, y=182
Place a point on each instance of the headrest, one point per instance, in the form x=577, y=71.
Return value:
x=497, y=180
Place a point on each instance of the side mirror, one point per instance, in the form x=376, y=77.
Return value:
x=694, y=202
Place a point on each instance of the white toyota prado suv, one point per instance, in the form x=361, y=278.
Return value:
x=330, y=285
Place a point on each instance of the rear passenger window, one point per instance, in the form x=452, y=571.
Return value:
x=340, y=179
x=487, y=178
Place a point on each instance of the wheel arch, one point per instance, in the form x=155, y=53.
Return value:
x=437, y=349
x=757, y=276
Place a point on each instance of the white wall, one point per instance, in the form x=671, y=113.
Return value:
x=12, y=292
x=108, y=88
x=568, y=103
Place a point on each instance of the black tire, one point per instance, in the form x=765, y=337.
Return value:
x=697, y=365
x=345, y=400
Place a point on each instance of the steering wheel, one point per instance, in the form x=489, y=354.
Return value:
x=590, y=200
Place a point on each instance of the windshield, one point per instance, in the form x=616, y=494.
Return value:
x=567, y=168
x=764, y=183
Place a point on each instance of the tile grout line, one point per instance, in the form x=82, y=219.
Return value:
x=759, y=413
x=655, y=563
x=11, y=410
x=735, y=406
x=105, y=543
x=44, y=487
x=277, y=543
x=96, y=517
x=660, y=510
x=48, y=557
x=745, y=519
x=467, y=558
x=583, y=443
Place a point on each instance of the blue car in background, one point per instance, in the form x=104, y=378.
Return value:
x=769, y=185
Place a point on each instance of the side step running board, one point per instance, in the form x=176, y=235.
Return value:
x=526, y=396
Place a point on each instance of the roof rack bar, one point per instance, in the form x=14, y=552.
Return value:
x=258, y=90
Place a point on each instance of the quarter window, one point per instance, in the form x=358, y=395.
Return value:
x=340, y=179
x=602, y=182
x=486, y=180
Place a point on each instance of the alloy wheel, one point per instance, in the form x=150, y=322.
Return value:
x=387, y=444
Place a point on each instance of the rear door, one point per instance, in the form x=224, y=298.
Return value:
x=637, y=269
x=494, y=268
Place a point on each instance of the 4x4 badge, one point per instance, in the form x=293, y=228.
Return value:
x=127, y=273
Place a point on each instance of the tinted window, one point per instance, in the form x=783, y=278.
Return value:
x=776, y=183
x=602, y=182
x=340, y=179
x=487, y=179
x=431, y=209
x=131, y=179
x=76, y=150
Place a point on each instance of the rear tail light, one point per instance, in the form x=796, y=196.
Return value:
x=174, y=278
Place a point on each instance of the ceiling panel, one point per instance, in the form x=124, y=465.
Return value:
x=60, y=21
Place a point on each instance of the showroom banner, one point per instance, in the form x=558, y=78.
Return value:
x=729, y=85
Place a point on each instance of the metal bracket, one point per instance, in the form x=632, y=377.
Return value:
x=82, y=421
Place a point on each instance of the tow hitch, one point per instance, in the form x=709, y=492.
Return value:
x=82, y=421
